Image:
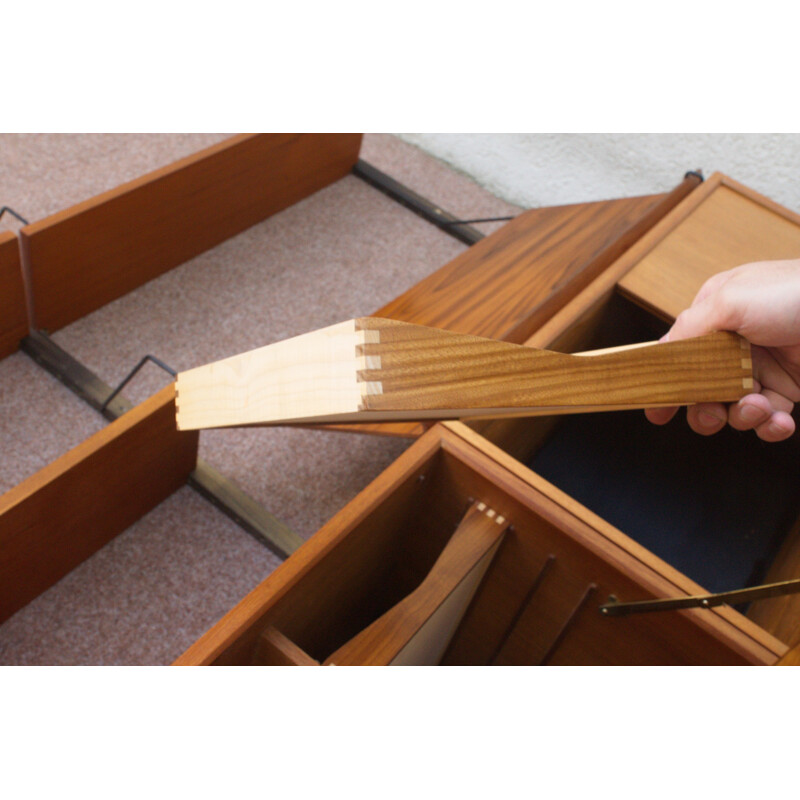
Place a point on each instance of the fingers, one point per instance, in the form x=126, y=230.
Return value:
x=750, y=412
x=778, y=427
x=660, y=416
x=773, y=377
x=712, y=313
x=707, y=418
x=712, y=285
x=768, y=414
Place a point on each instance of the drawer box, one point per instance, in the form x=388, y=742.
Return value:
x=538, y=601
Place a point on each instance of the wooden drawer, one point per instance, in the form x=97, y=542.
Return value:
x=538, y=601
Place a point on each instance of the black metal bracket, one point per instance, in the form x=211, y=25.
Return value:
x=267, y=529
x=472, y=221
x=13, y=213
x=697, y=173
x=613, y=608
x=417, y=203
x=124, y=382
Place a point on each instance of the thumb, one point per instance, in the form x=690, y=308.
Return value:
x=704, y=317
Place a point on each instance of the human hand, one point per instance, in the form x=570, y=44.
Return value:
x=760, y=301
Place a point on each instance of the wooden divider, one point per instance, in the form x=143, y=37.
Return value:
x=13, y=314
x=60, y=516
x=84, y=257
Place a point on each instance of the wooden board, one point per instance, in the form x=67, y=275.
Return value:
x=273, y=649
x=508, y=284
x=13, y=314
x=58, y=517
x=372, y=369
x=791, y=659
x=84, y=257
x=418, y=629
x=781, y=615
x=729, y=225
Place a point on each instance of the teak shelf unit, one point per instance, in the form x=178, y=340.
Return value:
x=548, y=278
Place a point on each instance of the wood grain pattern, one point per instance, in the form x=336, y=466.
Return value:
x=303, y=593
x=58, y=517
x=96, y=251
x=781, y=615
x=597, y=294
x=791, y=659
x=390, y=639
x=13, y=313
x=318, y=578
x=732, y=225
x=588, y=550
x=273, y=649
x=508, y=284
x=511, y=282
x=374, y=369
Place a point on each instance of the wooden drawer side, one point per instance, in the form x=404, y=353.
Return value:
x=84, y=257
x=13, y=312
x=67, y=511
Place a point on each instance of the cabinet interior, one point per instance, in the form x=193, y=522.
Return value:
x=717, y=508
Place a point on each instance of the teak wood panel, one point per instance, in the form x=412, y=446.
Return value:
x=84, y=257
x=373, y=368
x=273, y=649
x=589, y=553
x=418, y=629
x=509, y=283
x=781, y=615
x=13, y=313
x=506, y=285
x=730, y=225
x=590, y=301
x=60, y=516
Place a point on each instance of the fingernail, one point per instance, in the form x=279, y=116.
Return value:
x=709, y=419
x=750, y=413
x=776, y=430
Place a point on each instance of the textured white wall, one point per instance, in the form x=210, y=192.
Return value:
x=541, y=169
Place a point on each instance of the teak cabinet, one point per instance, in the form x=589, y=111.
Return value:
x=489, y=543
